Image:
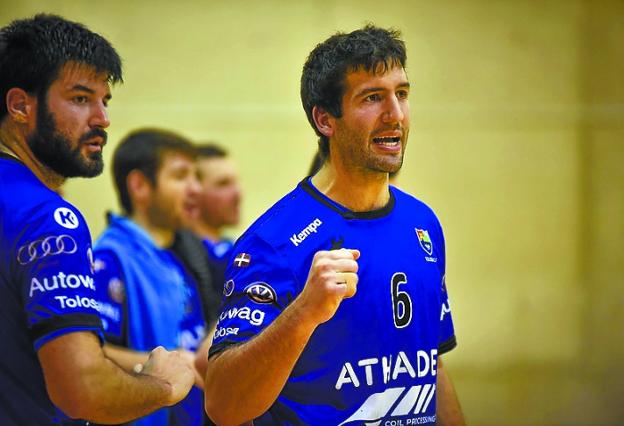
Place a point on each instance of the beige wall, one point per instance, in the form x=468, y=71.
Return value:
x=517, y=143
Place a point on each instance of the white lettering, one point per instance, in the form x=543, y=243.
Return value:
x=35, y=285
x=389, y=368
x=225, y=331
x=77, y=302
x=446, y=309
x=110, y=311
x=61, y=280
x=403, y=366
x=347, y=375
x=255, y=317
x=367, y=363
x=297, y=239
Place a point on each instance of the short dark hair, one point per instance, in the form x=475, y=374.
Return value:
x=34, y=50
x=144, y=150
x=210, y=150
x=370, y=48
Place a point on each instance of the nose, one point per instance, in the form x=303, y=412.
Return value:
x=394, y=110
x=99, y=116
x=194, y=187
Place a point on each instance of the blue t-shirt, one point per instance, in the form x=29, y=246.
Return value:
x=189, y=331
x=46, y=289
x=375, y=361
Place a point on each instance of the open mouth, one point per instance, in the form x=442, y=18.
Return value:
x=388, y=141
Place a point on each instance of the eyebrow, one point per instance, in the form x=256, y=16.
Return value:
x=81, y=88
x=381, y=89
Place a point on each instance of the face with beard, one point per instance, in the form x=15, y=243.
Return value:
x=69, y=134
x=371, y=135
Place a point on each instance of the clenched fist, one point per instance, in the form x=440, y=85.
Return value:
x=172, y=368
x=332, y=278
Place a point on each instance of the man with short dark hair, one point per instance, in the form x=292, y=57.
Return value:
x=55, y=78
x=147, y=295
x=336, y=310
x=219, y=204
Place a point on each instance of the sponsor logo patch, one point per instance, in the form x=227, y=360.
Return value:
x=60, y=280
x=260, y=292
x=297, y=239
x=226, y=331
x=49, y=246
x=116, y=290
x=228, y=288
x=66, y=218
x=242, y=260
x=254, y=317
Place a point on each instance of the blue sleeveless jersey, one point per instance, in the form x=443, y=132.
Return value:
x=46, y=289
x=375, y=361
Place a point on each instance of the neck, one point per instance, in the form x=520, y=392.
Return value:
x=207, y=231
x=13, y=142
x=163, y=237
x=357, y=191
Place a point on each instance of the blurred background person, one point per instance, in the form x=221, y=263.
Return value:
x=219, y=204
x=147, y=295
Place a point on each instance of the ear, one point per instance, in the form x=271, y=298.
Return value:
x=21, y=106
x=324, y=121
x=139, y=189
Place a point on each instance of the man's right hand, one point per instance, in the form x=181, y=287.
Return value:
x=171, y=368
x=332, y=278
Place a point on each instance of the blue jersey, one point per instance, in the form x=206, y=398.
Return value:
x=46, y=289
x=218, y=255
x=147, y=299
x=375, y=361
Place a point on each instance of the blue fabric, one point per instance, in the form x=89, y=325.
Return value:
x=148, y=300
x=150, y=281
x=46, y=289
x=374, y=361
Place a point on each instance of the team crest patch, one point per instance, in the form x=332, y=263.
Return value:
x=228, y=288
x=242, y=260
x=424, y=240
x=261, y=292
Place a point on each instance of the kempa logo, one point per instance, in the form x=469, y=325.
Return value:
x=297, y=239
x=411, y=403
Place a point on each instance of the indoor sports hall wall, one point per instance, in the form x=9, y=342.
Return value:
x=517, y=142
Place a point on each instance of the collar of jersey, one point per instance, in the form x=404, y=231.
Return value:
x=6, y=156
x=306, y=185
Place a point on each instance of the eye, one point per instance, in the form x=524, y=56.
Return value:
x=81, y=99
x=374, y=97
x=402, y=94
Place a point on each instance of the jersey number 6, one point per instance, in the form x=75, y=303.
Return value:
x=401, y=302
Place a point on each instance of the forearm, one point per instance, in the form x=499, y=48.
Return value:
x=244, y=381
x=115, y=396
x=124, y=357
x=449, y=411
x=85, y=384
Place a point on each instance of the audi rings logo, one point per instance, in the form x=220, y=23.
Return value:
x=49, y=246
